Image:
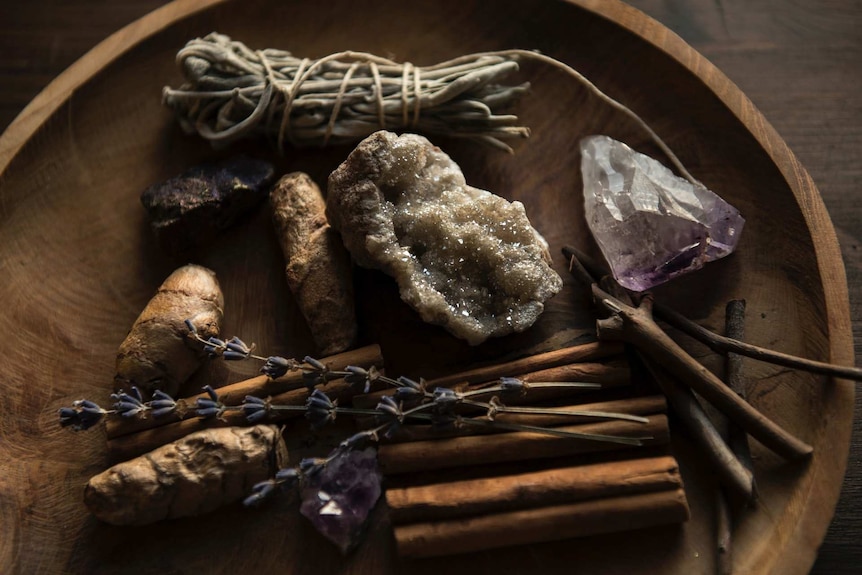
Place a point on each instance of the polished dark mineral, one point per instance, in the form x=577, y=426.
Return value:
x=338, y=498
x=192, y=208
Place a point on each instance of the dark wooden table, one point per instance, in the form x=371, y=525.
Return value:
x=799, y=61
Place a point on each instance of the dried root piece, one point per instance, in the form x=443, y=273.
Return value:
x=157, y=353
x=464, y=258
x=318, y=266
x=190, y=476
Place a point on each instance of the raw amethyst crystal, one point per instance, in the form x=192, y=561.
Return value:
x=338, y=498
x=650, y=224
x=192, y=208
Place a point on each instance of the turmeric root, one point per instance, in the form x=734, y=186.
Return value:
x=157, y=353
x=190, y=476
x=318, y=265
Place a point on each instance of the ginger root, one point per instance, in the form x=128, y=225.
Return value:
x=191, y=476
x=318, y=266
x=157, y=353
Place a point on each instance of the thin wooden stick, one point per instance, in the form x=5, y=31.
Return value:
x=734, y=328
x=730, y=471
x=722, y=344
x=723, y=530
x=636, y=326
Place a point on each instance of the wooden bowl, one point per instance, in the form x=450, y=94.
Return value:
x=79, y=263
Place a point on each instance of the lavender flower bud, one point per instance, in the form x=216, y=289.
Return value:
x=214, y=347
x=357, y=439
x=128, y=405
x=255, y=408
x=445, y=397
x=407, y=382
x=357, y=376
x=211, y=406
x=389, y=407
x=407, y=394
x=259, y=492
x=211, y=392
x=236, y=349
x=287, y=477
x=83, y=414
x=276, y=367
x=162, y=404
x=311, y=465
x=513, y=385
x=320, y=410
x=315, y=364
x=191, y=327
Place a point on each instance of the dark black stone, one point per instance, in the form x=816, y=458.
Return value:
x=191, y=209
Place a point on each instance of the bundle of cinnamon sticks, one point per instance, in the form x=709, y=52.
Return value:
x=461, y=490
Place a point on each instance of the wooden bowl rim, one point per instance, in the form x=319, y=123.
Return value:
x=809, y=532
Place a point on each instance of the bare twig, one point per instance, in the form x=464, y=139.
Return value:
x=730, y=471
x=735, y=329
x=722, y=344
x=636, y=326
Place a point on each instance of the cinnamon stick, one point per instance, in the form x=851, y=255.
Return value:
x=514, y=446
x=643, y=406
x=260, y=386
x=587, y=352
x=530, y=490
x=550, y=523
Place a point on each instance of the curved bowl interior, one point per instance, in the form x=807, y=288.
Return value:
x=79, y=264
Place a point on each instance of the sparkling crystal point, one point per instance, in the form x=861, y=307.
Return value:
x=338, y=498
x=650, y=224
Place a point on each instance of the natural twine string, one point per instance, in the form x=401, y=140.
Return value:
x=232, y=92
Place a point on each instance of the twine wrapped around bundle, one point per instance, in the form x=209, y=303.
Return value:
x=232, y=92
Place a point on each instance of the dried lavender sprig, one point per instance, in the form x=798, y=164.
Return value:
x=461, y=421
x=494, y=407
x=637, y=441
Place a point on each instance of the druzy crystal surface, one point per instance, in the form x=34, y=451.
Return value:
x=650, y=224
x=464, y=258
x=338, y=498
